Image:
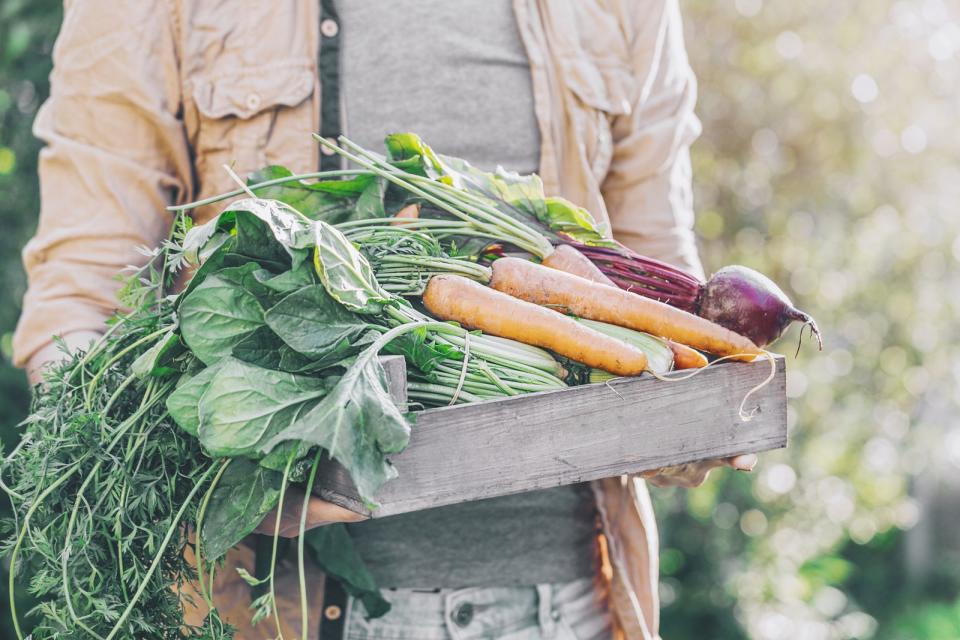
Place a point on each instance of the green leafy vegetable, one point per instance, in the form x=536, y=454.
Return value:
x=217, y=315
x=245, y=406
x=345, y=273
x=333, y=550
x=242, y=499
x=313, y=323
x=357, y=423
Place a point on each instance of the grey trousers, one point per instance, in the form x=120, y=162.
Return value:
x=563, y=611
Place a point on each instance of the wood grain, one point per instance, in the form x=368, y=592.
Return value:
x=540, y=440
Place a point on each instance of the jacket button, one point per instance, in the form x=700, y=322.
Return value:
x=253, y=101
x=329, y=28
x=333, y=612
x=463, y=614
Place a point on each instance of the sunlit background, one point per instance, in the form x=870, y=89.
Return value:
x=830, y=161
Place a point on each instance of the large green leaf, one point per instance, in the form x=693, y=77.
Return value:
x=334, y=552
x=312, y=322
x=183, y=403
x=332, y=201
x=218, y=314
x=345, y=273
x=246, y=493
x=245, y=406
x=357, y=423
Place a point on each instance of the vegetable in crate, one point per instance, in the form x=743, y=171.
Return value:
x=736, y=297
x=196, y=412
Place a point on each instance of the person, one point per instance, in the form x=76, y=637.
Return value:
x=149, y=98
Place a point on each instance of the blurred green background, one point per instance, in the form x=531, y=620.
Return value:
x=830, y=161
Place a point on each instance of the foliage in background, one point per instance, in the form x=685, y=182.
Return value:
x=829, y=161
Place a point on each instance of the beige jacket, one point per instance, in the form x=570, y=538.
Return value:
x=150, y=97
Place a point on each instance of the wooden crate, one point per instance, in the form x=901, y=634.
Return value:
x=540, y=440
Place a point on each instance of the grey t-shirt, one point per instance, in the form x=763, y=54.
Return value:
x=457, y=74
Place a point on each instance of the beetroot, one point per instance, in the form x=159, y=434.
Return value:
x=751, y=304
x=736, y=297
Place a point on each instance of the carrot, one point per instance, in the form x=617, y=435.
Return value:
x=686, y=358
x=572, y=294
x=566, y=258
x=409, y=212
x=450, y=297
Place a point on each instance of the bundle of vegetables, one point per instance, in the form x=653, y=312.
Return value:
x=186, y=424
x=196, y=411
x=735, y=297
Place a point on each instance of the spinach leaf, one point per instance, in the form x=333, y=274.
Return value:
x=265, y=349
x=244, y=496
x=288, y=281
x=333, y=550
x=357, y=423
x=244, y=406
x=218, y=314
x=183, y=403
x=312, y=322
x=345, y=273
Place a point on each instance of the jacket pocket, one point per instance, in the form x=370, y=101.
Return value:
x=237, y=114
x=598, y=93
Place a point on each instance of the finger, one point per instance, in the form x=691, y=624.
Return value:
x=744, y=462
x=323, y=512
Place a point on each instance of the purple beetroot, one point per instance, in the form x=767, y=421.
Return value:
x=736, y=297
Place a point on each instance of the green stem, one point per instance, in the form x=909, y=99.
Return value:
x=11, y=586
x=487, y=225
x=301, y=570
x=267, y=183
x=91, y=386
x=199, y=533
x=276, y=542
x=174, y=527
x=465, y=200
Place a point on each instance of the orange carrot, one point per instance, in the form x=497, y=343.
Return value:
x=686, y=358
x=566, y=258
x=572, y=294
x=409, y=212
x=450, y=297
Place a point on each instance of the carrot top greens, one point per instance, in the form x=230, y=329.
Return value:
x=198, y=409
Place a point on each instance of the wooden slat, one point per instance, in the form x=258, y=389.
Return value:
x=541, y=440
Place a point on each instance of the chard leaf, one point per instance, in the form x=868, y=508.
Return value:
x=370, y=202
x=183, y=403
x=244, y=406
x=409, y=150
x=244, y=496
x=345, y=273
x=565, y=217
x=332, y=201
x=312, y=322
x=334, y=551
x=425, y=355
x=357, y=423
x=217, y=315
